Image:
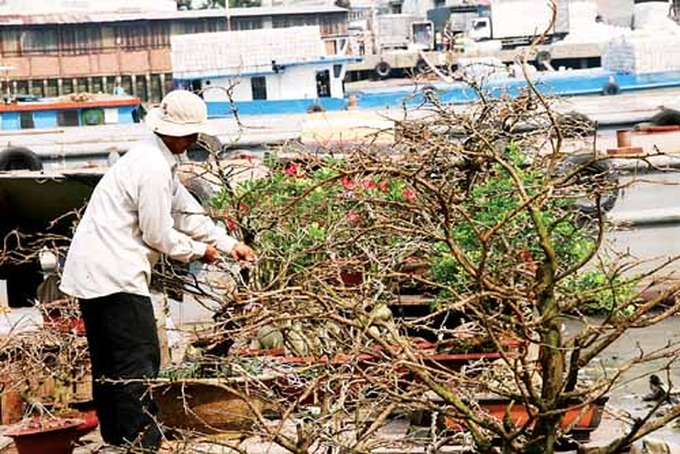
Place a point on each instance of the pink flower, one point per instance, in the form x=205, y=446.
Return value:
x=382, y=186
x=353, y=217
x=368, y=184
x=291, y=170
x=409, y=195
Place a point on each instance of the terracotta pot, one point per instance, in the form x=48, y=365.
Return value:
x=578, y=419
x=205, y=406
x=45, y=435
x=86, y=411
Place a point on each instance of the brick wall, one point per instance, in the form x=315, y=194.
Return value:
x=103, y=64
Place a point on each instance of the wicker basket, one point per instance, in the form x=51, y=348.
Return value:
x=208, y=406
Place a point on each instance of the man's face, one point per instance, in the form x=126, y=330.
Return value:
x=179, y=145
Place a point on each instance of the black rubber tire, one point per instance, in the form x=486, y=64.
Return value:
x=543, y=57
x=667, y=117
x=421, y=67
x=611, y=89
x=429, y=93
x=19, y=158
x=200, y=189
x=596, y=173
x=316, y=108
x=382, y=69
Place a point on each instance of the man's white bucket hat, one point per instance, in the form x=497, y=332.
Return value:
x=181, y=113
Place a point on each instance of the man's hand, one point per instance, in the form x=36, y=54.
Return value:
x=211, y=254
x=243, y=253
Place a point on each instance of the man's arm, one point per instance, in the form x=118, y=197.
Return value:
x=156, y=222
x=191, y=218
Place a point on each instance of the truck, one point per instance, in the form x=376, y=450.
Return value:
x=404, y=31
x=518, y=22
x=453, y=19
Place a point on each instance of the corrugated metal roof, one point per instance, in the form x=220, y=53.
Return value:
x=125, y=16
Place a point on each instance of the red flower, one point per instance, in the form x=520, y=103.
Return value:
x=231, y=224
x=347, y=182
x=408, y=194
x=382, y=186
x=243, y=207
x=353, y=217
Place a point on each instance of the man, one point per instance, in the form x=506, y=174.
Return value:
x=138, y=211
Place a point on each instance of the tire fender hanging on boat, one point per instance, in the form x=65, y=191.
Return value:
x=383, y=69
x=19, y=158
x=543, y=57
x=611, y=89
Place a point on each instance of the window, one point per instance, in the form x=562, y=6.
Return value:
x=159, y=34
x=68, y=118
x=155, y=91
x=293, y=21
x=82, y=85
x=93, y=117
x=97, y=85
x=131, y=37
x=80, y=40
x=10, y=42
x=67, y=87
x=259, y=87
x=52, y=88
x=337, y=70
x=246, y=24
x=39, y=41
x=26, y=120
x=323, y=84
x=479, y=25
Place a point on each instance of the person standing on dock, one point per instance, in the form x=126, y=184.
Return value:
x=138, y=211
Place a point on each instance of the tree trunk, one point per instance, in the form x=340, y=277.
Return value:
x=552, y=364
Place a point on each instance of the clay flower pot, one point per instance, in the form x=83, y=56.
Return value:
x=62, y=316
x=580, y=420
x=86, y=411
x=45, y=435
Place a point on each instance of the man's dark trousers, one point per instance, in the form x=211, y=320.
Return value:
x=123, y=344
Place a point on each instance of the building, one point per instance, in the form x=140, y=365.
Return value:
x=616, y=12
x=260, y=72
x=62, y=6
x=62, y=53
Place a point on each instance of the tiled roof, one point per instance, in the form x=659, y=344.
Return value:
x=128, y=15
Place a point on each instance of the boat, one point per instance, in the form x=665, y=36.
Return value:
x=20, y=112
x=256, y=72
x=559, y=83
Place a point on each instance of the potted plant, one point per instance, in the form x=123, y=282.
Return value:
x=49, y=370
x=41, y=435
x=578, y=421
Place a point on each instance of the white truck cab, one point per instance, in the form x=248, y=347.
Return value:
x=480, y=29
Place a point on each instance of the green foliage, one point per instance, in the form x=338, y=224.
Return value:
x=305, y=219
x=603, y=294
